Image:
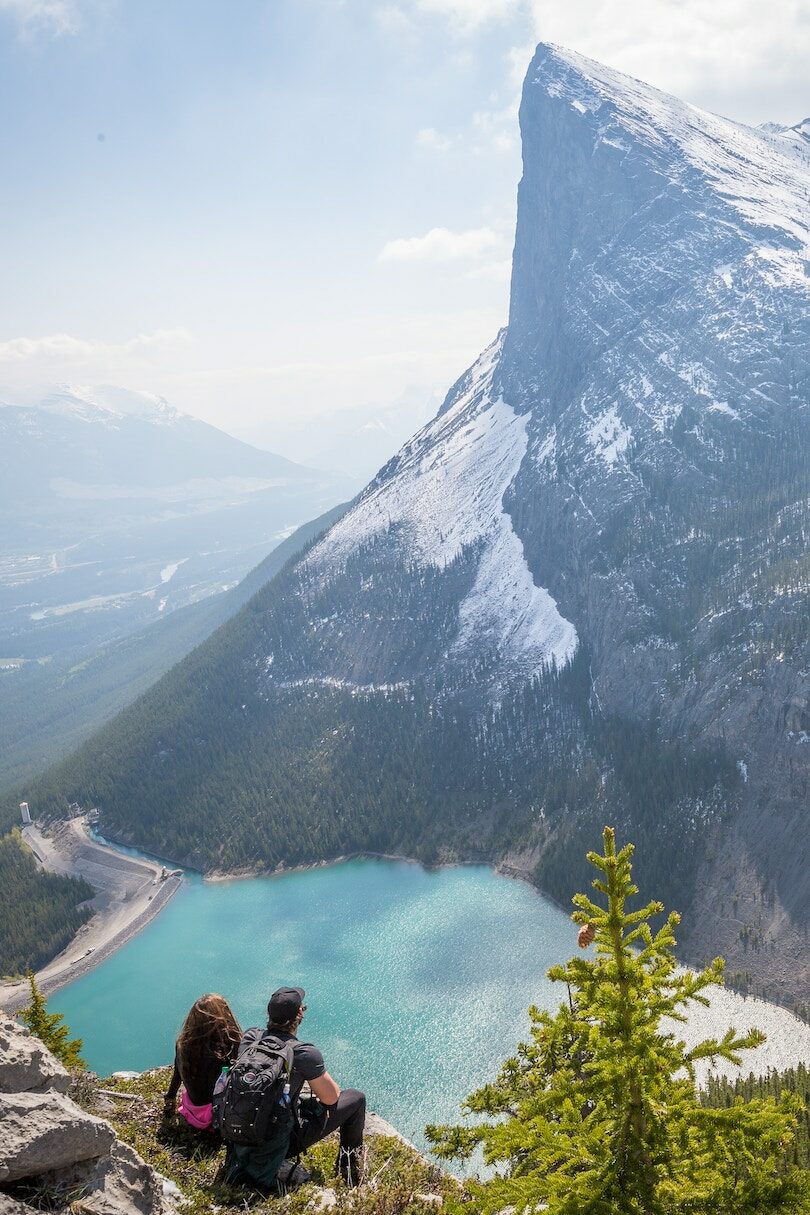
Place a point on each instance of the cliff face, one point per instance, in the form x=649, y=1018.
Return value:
x=659, y=337
x=580, y=593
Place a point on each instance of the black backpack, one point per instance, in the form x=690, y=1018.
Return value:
x=251, y=1109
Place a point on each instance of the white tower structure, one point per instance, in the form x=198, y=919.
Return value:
x=25, y=813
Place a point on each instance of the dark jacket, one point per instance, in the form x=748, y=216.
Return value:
x=199, y=1081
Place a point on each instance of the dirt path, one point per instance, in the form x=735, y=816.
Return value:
x=130, y=891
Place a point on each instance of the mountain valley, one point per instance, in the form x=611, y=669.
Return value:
x=119, y=513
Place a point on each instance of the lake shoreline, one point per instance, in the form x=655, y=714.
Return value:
x=101, y=938
x=501, y=868
x=130, y=893
x=103, y=935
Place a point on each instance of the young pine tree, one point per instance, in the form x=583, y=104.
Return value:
x=51, y=1030
x=599, y=1115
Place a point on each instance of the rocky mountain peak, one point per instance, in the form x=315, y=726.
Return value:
x=647, y=228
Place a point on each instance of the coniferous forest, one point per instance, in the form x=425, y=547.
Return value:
x=39, y=912
x=721, y=1093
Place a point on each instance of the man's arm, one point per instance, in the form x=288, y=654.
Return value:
x=325, y=1089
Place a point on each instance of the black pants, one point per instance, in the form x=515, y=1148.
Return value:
x=348, y=1115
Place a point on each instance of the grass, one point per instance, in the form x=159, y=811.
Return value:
x=398, y=1180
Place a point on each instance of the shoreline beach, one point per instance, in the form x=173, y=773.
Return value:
x=130, y=892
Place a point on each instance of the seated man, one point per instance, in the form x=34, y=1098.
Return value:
x=332, y=1110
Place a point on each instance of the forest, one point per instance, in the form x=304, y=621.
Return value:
x=39, y=912
x=721, y=1093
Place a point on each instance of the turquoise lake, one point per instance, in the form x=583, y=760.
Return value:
x=417, y=982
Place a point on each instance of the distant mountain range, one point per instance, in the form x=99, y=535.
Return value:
x=580, y=594
x=116, y=511
x=369, y=436
x=116, y=508
x=48, y=709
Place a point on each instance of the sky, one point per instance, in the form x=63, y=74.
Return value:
x=287, y=215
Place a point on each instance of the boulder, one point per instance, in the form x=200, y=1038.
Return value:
x=122, y=1184
x=375, y=1125
x=26, y=1065
x=40, y=1132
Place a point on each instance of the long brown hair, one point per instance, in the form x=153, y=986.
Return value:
x=209, y=1030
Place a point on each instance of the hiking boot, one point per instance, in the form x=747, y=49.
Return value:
x=349, y=1166
x=291, y=1174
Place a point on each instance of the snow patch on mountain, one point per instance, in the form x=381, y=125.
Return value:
x=506, y=607
x=608, y=436
x=444, y=493
x=345, y=685
x=109, y=404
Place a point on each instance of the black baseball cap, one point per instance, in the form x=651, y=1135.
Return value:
x=284, y=1004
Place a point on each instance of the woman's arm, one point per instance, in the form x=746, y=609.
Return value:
x=170, y=1100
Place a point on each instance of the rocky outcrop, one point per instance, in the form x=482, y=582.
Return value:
x=44, y=1131
x=25, y=1065
x=122, y=1182
x=50, y=1145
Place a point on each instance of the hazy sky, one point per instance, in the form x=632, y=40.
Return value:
x=272, y=210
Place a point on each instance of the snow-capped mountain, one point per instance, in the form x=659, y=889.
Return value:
x=116, y=507
x=580, y=593
x=444, y=494
x=659, y=282
x=108, y=405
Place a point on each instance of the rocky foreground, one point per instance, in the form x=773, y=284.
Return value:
x=90, y=1147
x=54, y=1153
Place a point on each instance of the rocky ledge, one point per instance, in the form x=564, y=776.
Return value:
x=55, y=1154
x=63, y=1151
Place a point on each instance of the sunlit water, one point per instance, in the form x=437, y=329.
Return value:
x=417, y=982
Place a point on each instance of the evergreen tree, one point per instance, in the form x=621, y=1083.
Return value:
x=51, y=1030
x=599, y=1115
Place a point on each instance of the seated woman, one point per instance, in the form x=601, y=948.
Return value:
x=209, y=1041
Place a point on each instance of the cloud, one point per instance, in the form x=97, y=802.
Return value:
x=489, y=131
x=463, y=16
x=53, y=16
x=469, y=15
x=740, y=56
x=432, y=139
x=496, y=271
x=442, y=245
x=61, y=347
x=497, y=130
x=30, y=364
